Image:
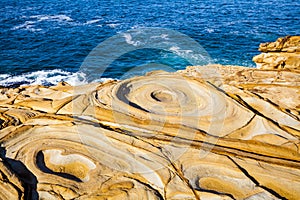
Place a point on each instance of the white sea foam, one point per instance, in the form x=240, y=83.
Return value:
x=35, y=19
x=138, y=27
x=102, y=80
x=210, y=30
x=193, y=57
x=3, y=76
x=28, y=25
x=112, y=25
x=162, y=36
x=44, y=77
x=59, y=18
x=128, y=39
x=92, y=21
x=47, y=77
x=179, y=51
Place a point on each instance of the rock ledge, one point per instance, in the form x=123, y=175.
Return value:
x=284, y=53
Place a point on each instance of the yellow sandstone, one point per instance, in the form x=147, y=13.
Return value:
x=206, y=132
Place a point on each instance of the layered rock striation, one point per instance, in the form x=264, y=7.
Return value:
x=206, y=132
x=284, y=53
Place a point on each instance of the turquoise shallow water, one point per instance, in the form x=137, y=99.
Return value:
x=46, y=41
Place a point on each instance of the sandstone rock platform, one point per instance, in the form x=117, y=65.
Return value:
x=206, y=132
x=221, y=132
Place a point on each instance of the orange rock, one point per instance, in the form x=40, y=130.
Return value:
x=284, y=53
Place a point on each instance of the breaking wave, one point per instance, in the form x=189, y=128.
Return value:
x=44, y=77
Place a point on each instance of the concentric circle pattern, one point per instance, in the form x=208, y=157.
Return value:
x=183, y=135
x=178, y=99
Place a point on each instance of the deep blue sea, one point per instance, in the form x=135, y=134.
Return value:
x=46, y=41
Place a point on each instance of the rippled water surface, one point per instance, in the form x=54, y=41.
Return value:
x=45, y=41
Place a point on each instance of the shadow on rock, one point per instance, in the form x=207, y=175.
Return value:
x=28, y=179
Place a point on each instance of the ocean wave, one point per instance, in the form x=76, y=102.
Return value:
x=190, y=54
x=162, y=36
x=179, y=51
x=128, y=39
x=28, y=25
x=112, y=25
x=59, y=18
x=44, y=77
x=93, y=21
x=36, y=19
x=210, y=30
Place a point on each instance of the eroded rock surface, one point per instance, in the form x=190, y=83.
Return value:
x=284, y=53
x=212, y=132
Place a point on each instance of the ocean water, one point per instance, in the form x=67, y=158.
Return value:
x=47, y=41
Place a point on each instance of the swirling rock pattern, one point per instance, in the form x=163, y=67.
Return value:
x=284, y=53
x=210, y=132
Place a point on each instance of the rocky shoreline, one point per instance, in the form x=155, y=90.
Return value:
x=284, y=53
x=206, y=132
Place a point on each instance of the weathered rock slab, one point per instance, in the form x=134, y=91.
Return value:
x=284, y=53
x=207, y=132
